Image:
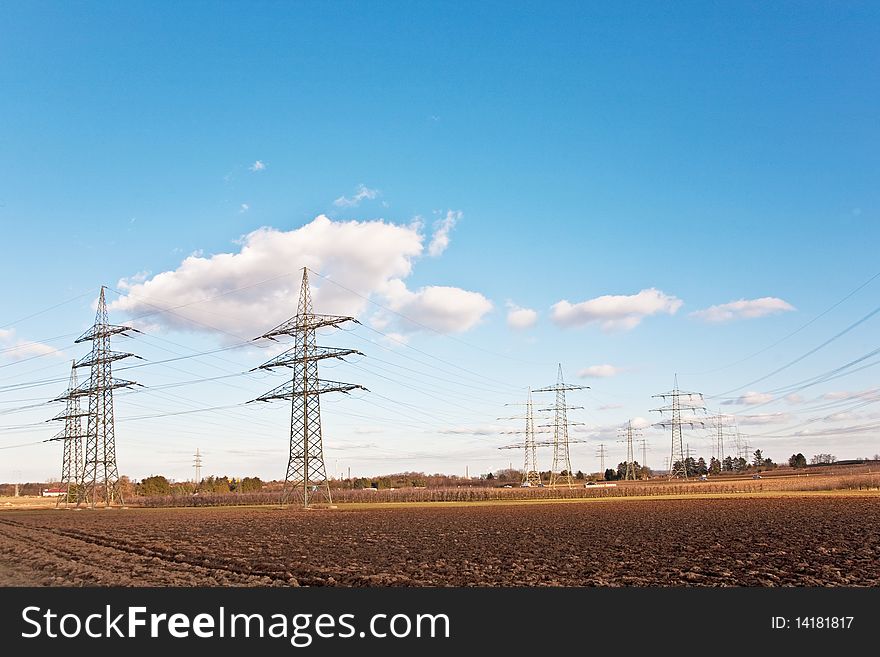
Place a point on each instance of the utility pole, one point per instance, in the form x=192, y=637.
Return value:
x=72, y=435
x=561, y=456
x=601, y=454
x=674, y=421
x=306, y=476
x=197, y=464
x=100, y=471
x=627, y=434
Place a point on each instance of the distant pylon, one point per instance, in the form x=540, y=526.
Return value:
x=600, y=452
x=561, y=456
x=72, y=436
x=677, y=459
x=100, y=472
x=531, y=474
x=644, y=443
x=197, y=464
x=306, y=476
x=628, y=433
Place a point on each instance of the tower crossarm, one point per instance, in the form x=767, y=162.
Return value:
x=666, y=424
x=87, y=388
x=69, y=414
x=307, y=322
x=563, y=387
x=287, y=390
x=295, y=356
x=679, y=393
x=109, y=357
x=99, y=331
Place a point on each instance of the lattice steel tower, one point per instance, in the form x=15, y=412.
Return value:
x=627, y=434
x=531, y=474
x=100, y=475
x=306, y=477
x=72, y=435
x=561, y=457
x=674, y=421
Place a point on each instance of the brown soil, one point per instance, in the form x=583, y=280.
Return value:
x=815, y=541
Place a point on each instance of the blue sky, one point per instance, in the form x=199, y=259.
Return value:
x=713, y=152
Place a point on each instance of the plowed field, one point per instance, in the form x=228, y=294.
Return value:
x=814, y=541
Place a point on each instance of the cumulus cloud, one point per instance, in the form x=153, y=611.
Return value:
x=615, y=312
x=743, y=309
x=794, y=398
x=442, y=228
x=259, y=165
x=750, y=398
x=244, y=293
x=444, y=309
x=14, y=348
x=520, y=318
x=361, y=193
x=598, y=371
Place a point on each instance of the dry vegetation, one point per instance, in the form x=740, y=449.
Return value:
x=864, y=481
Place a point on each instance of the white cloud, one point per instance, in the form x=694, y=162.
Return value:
x=444, y=309
x=247, y=292
x=743, y=309
x=598, y=371
x=442, y=228
x=482, y=430
x=15, y=349
x=609, y=407
x=794, y=398
x=259, y=165
x=763, y=418
x=615, y=312
x=362, y=192
x=244, y=207
x=520, y=318
x=750, y=398
x=844, y=394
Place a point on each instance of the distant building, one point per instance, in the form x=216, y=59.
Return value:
x=53, y=492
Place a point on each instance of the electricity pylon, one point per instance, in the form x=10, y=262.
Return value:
x=561, y=457
x=100, y=473
x=72, y=436
x=627, y=434
x=600, y=452
x=644, y=443
x=306, y=477
x=531, y=474
x=197, y=464
x=677, y=459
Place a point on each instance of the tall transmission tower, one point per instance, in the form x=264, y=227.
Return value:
x=627, y=436
x=561, y=456
x=531, y=474
x=719, y=437
x=197, y=464
x=72, y=435
x=100, y=474
x=673, y=420
x=644, y=443
x=306, y=477
x=600, y=452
